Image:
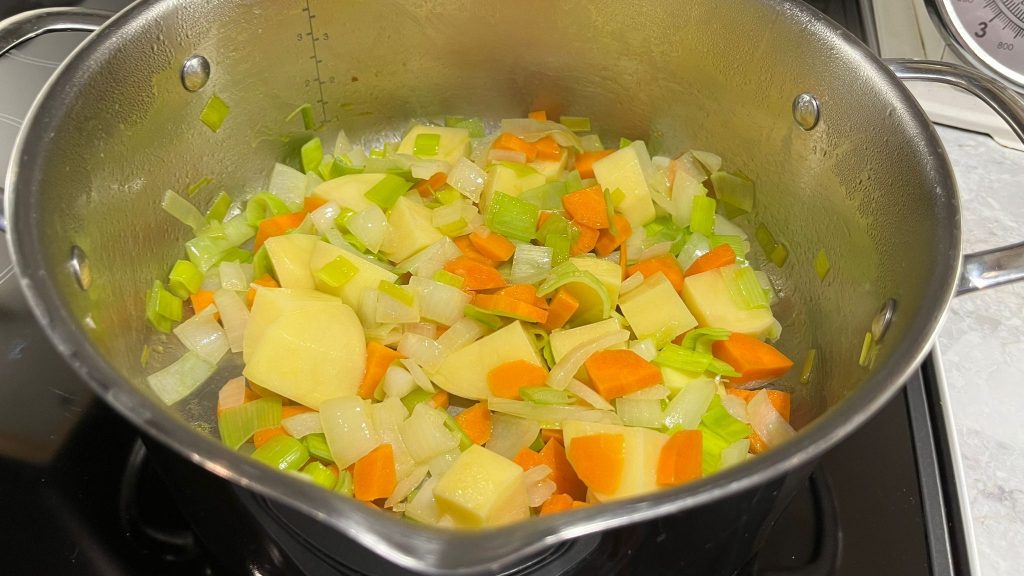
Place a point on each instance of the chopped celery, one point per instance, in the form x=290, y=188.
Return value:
x=238, y=423
x=264, y=205
x=306, y=111
x=446, y=277
x=721, y=422
x=426, y=144
x=337, y=272
x=162, y=307
x=712, y=446
x=575, y=123
x=737, y=243
x=546, y=396
x=344, y=485
x=512, y=217
x=320, y=474
x=474, y=125
x=805, y=372
x=214, y=113
x=702, y=217
x=745, y=288
x=682, y=359
x=662, y=229
x=457, y=431
x=865, y=349
x=558, y=234
x=779, y=255
x=736, y=193
x=184, y=279
x=395, y=291
x=417, y=396
x=312, y=153
x=317, y=446
x=701, y=339
x=386, y=192
x=219, y=208
x=283, y=453
x=623, y=142
x=191, y=190
x=821, y=264
x=486, y=318
x=339, y=168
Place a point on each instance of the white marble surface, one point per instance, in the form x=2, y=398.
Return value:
x=982, y=344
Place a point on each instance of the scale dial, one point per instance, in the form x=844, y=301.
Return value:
x=988, y=34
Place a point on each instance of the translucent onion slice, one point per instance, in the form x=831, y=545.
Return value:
x=303, y=424
x=370, y=226
x=398, y=382
x=233, y=315
x=420, y=349
x=631, y=283
x=510, y=434
x=690, y=404
x=439, y=302
x=204, y=336
x=235, y=276
x=468, y=179
x=767, y=422
x=589, y=395
x=501, y=155
x=734, y=454
x=459, y=335
x=562, y=373
x=551, y=416
x=288, y=184
x=406, y=486
x=418, y=375
x=180, y=378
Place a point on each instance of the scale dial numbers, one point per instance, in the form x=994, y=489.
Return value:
x=989, y=34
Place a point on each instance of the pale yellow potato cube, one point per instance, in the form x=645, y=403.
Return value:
x=409, y=230
x=562, y=341
x=464, y=372
x=290, y=255
x=655, y=310
x=349, y=191
x=640, y=465
x=708, y=297
x=368, y=277
x=482, y=489
x=627, y=169
x=454, y=143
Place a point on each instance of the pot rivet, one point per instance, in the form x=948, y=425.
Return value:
x=880, y=325
x=195, y=73
x=806, y=111
x=79, y=265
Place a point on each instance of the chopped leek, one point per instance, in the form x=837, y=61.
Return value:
x=183, y=210
x=214, y=113
x=865, y=350
x=623, y=142
x=821, y=264
x=337, y=272
x=264, y=205
x=775, y=251
x=546, y=396
x=416, y=397
x=568, y=273
x=162, y=307
x=238, y=423
x=184, y=279
x=689, y=404
x=312, y=153
x=446, y=277
x=180, y=378
x=737, y=243
x=320, y=475
x=531, y=263
x=702, y=217
x=575, y=123
x=219, y=208
x=513, y=218
x=317, y=446
x=262, y=265
x=283, y=453
x=721, y=422
x=458, y=432
x=394, y=291
x=558, y=234
x=682, y=359
x=736, y=193
x=779, y=255
x=486, y=318
x=474, y=125
x=426, y=144
x=386, y=192
x=546, y=196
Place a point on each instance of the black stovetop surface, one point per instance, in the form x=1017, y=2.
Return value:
x=77, y=497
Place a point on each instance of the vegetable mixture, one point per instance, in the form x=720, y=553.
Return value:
x=472, y=329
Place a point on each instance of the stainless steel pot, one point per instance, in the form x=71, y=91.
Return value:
x=843, y=157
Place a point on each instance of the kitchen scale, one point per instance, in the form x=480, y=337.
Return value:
x=987, y=35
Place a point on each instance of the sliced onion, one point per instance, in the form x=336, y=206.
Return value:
x=690, y=404
x=468, y=179
x=645, y=349
x=233, y=315
x=563, y=371
x=211, y=280
x=303, y=424
x=204, y=336
x=767, y=422
x=443, y=462
x=531, y=264
x=631, y=283
x=591, y=143
x=735, y=406
x=533, y=130
x=312, y=181
x=423, y=507
x=550, y=416
x=479, y=147
x=370, y=226
x=425, y=329
x=510, y=434
x=418, y=374
x=180, y=378
x=323, y=217
x=421, y=350
x=398, y=382
x=406, y=486
x=642, y=412
x=425, y=435
x=459, y=335
x=231, y=394
x=288, y=184
x=589, y=395
x=235, y=276
x=656, y=392
x=439, y=302
x=659, y=249
x=391, y=311
x=725, y=227
x=538, y=493
x=696, y=246
x=428, y=261
x=502, y=155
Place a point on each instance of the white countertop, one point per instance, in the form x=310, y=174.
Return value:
x=982, y=344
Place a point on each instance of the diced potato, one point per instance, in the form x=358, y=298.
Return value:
x=708, y=297
x=655, y=310
x=464, y=372
x=349, y=429
x=409, y=230
x=511, y=181
x=454, y=143
x=642, y=450
x=609, y=273
x=562, y=341
x=627, y=169
x=550, y=169
x=349, y=191
x=368, y=277
x=482, y=489
x=290, y=254
x=304, y=345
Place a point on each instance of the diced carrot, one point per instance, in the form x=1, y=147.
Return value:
x=549, y=434
x=266, y=281
x=538, y=115
x=200, y=300
x=548, y=149
x=492, y=245
x=378, y=358
x=508, y=141
x=585, y=162
x=576, y=504
x=522, y=292
x=680, y=458
x=543, y=217
x=528, y=459
x=555, y=504
x=505, y=380
x=440, y=399
x=476, y=276
x=508, y=306
x=599, y=460
x=615, y=373
x=753, y=359
x=719, y=256
x=607, y=242
x=562, y=473
x=586, y=241
x=475, y=421
x=264, y=435
x=469, y=250
x=623, y=262
x=311, y=203
x=373, y=475
x=665, y=264
x=426, y=188
x=233, y=393
x=587, y=207
x=276, y=226
x=295, y=410
x=563, y=306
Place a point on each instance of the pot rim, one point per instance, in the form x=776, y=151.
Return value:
x=421, y=547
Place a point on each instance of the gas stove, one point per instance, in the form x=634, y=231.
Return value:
x=81, y=494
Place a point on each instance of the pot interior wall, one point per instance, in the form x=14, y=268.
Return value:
x=866, y=185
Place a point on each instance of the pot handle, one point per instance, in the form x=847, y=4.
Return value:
x=28, y=25
x=1001, y=265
